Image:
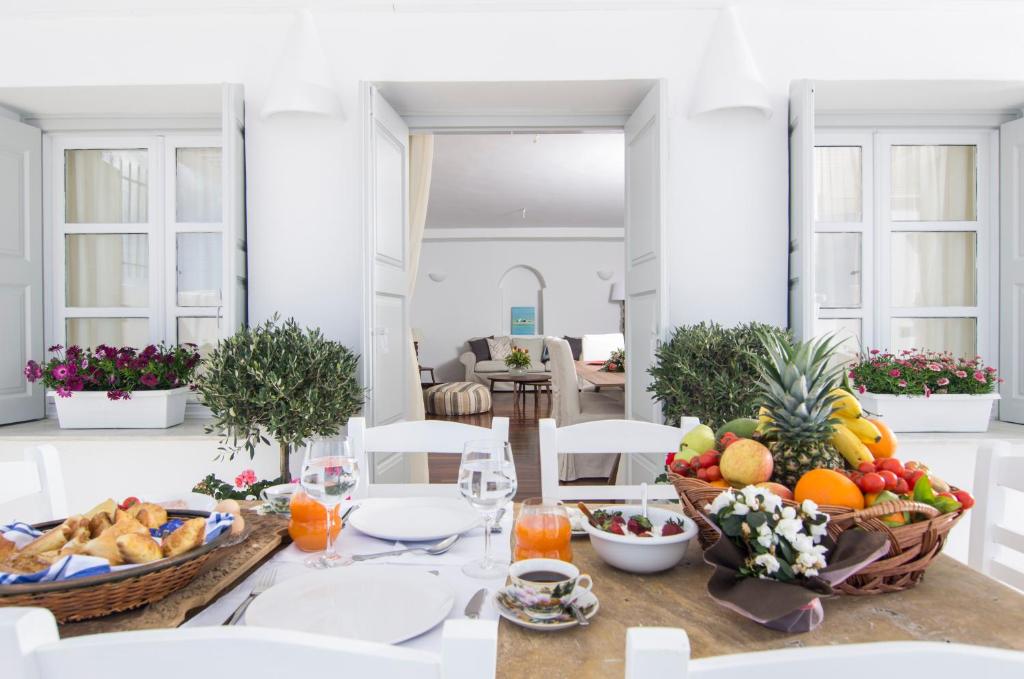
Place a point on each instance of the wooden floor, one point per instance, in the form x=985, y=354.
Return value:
x=522, y=435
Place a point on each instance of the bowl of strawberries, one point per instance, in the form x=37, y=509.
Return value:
x=626, y=539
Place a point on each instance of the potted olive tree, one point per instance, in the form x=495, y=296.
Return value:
x=280, y=381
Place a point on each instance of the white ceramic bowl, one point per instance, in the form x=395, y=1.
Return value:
x=642, y=555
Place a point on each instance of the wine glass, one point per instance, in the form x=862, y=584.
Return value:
x=487, y=478
x=329, y=475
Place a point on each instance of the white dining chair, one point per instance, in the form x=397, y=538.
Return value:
x=420, y=436
x=997, y=549
x=664, y=653
x=601, y=437
x=34, y=484
x=31, y=649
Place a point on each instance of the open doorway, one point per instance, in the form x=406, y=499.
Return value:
x=478, y=118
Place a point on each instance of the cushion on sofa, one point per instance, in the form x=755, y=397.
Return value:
x=575, y=346
x=491, y=366
x=480, y=349
x=500, y=347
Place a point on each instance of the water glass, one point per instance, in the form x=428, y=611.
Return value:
x=487, y=479
x=329, y=475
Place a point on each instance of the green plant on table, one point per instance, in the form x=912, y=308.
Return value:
x=518, y=358
x=282, y=381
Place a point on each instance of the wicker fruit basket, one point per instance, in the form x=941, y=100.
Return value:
x=99, y=595
x=912, y=547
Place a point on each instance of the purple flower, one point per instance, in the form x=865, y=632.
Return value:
x=32, y=371
x=122, y=362
x=115, y=394
x=55, y=347
x=140, y=363
x=172, y=378
x=149, y=379
x=76, y=384
x=149, y=351
x=74, y=351
x=109, y=353
x=112, y=379
x=63, y=392
x=61, y=372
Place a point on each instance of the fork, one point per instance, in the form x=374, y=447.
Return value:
x=265, y=582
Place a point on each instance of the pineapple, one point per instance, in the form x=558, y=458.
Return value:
x=796, y=379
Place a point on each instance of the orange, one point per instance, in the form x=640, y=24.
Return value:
x=893, y=520
x=720, y=483
x=886, y=447
x=308, y=525
x=828, y=487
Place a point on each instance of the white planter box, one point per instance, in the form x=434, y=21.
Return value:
x=935, y=413
x=144, y=410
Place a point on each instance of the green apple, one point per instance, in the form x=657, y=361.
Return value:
x=700, y=439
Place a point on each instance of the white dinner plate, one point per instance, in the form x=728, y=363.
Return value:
x=386, y=604
x=414, y=519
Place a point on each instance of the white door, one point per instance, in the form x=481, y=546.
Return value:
x=1011, y=271
x=646, y=299
x=21, y=270
x=388, y=206
x=801, y=209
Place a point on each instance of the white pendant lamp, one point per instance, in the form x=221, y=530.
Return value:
x=302, y=81
x=728, y=76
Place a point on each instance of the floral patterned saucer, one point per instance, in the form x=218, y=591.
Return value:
x=512, y=610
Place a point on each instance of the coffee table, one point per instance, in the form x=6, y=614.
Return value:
x=539, y=383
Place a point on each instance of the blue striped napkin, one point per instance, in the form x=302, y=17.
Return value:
x=79, y=565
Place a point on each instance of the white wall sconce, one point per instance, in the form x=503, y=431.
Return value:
x=302, y=80
x=437, y=277
x=728, y=76
x=605, y=274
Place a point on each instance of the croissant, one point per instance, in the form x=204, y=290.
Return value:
x=188, y=536
x=135, y=548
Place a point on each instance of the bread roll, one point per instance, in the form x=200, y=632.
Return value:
x=135, y=548
x=188, y=536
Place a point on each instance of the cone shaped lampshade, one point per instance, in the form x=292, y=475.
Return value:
x=302, y=81
x=728, y=76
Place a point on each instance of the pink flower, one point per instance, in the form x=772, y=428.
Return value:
x=874, y=351
x=927, y=391
x=61, y=372
x=943, y=381
x=894, y=373
x=980, y=376
x=63, y=392
x=960, y=373
x=245, y=479
x=902, y=384
x=934, y=367
x=990, y=369
x=861, y=388
x=149, y=379
x=33, y=371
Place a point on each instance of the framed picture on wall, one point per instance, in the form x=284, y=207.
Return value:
x=524, y=320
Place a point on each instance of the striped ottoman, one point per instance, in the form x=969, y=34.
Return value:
x=457, y=398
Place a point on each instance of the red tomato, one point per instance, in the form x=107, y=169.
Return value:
x=713, y=472
x=866, y=467
x=891, y=464
x=708, y=459
x=702, y=474
x=914, y=476
x=902, y=487
x=872, y=483
x=129, y=501
x=679, y=467
x=964, y=498
x=889, y=478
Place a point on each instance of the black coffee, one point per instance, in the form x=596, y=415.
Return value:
x=543, y=576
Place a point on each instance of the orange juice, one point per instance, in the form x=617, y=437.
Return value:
x=308, y=525
x=543, y=536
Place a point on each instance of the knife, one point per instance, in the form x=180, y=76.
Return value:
x=476, y=603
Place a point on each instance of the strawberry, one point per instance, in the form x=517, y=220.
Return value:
x=672, y=527
x=638, y=524
x=614, y=527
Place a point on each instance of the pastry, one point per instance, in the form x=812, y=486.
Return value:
x=188, y=536
x=126, y=525
x=135, y=548
x=105, y=547
x=99, y=523
x=149, y=514
x=107, y=507
x=48, y=541
x=76, y=544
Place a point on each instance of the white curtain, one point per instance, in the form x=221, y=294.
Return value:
x=421, y=160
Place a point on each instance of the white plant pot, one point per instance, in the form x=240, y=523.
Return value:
x=157, y=409
x=935, y=413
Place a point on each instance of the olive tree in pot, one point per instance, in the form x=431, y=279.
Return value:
x=278, y=380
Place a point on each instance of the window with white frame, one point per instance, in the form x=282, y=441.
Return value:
x=138, y=240
x=904, y=234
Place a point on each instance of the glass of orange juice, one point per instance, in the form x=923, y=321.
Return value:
x=543, y=531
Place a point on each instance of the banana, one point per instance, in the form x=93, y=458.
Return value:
x=763, y=420
x=864, y=430
x=846, y=405
x=850, y=447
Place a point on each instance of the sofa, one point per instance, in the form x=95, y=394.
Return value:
x=479, y=364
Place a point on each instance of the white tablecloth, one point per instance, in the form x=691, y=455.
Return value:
x=289, y=563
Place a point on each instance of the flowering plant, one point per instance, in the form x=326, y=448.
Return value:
x=118, y=372
x=921, y=372
x=616, y=363
x=518, y=358
x=780, y=542
x=246, y=486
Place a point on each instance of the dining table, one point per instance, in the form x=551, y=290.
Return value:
x=597, y=376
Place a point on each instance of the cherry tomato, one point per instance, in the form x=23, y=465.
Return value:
x=129, y=501
x=872, y=483
x=914, y=476
x=891, y=464
x=680, y=467
x=713, y=473
x=889, y=478
x=702, y=474
x=902, y=487
x=964, y=498
x=708, y=459
x=866, y=467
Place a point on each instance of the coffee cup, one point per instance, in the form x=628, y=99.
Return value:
x=544, y=587
x=279, y=497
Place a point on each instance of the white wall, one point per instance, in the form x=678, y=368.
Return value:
x=727, y=198
x=468, y=304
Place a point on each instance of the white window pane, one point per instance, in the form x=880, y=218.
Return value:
x=848, y=330
x=956, y=335
x=107, y=269
x=199, y=269
x=199, y=331
x=837, y=183
x=837, y=274
x=106, y=186
x=198, y=182
x=934, y=183
x=115, y=332
x=935, y=268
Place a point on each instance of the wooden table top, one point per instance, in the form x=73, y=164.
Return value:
x=953, y=604
x=599, y=378
x=528, y=377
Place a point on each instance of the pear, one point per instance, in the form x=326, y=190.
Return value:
x=700, y=439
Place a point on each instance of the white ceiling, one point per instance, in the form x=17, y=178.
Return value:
x=563, y=180
x=918, y=95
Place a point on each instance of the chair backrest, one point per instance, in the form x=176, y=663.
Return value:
x=32, y=649
x=628, y=437
x=665, y=653
x=998, y=469
x=565, y=396
x=37, y=477
x=421, y=436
